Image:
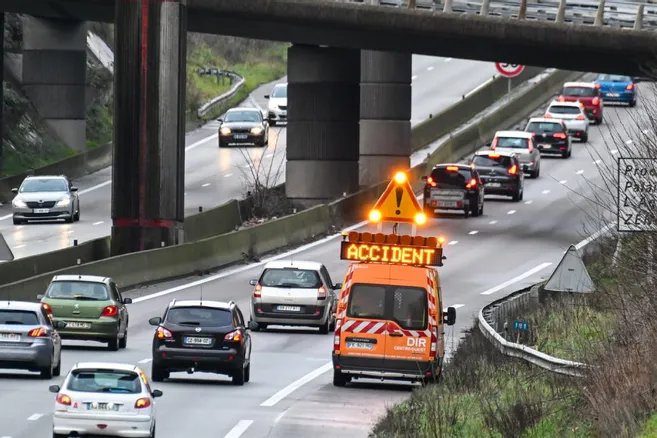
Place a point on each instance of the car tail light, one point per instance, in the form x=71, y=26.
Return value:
x=47, y=308
x=257, y=291
x=561, y=99
x=533, y=134
x=493, y=145
x=472, y=184
x=562, y=148
x=321, y=293
x=494, y=155
x=64, y=399
x=234, y=336
x=142, y=403
x=110, y=311
x=530, y=145
x=596, y=101
x=513, y=170
x=630, y=87
x=561, y=135
x=336, y=335
x=596, y=85
x=431, y=182
x=163, y=333
x=434, y=344
x=38, y=333
x=452, y=168
x=581, y=117
x=547, y=115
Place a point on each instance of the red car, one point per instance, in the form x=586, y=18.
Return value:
x=588, y=94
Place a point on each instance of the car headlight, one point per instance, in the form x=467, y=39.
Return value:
x=273, y=107
x=19, y=204
x=224, y=131
x=63, y=202
x=256, y=131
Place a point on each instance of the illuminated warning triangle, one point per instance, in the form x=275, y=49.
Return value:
x=398, y=203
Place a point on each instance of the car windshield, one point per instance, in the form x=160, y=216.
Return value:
x=544, y=127
x=105, y=381
x=579, y=91
x=34, y=185
x=77, y=290
x=405, y=305
x=199, y=316
x=279, y=92
x=562, y=109
x=491, y=161
x=511, y=143
x=292, y=278
x=448, y=178
x=242, y=116
x=613, y=78
x=18, y=317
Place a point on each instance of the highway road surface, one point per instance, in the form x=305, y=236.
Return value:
x=214, y=176
x=290, y=393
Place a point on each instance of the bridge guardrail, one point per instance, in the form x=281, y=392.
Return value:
x=491, y=315
x=237, y=84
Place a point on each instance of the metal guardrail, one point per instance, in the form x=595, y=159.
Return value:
x=237, y=84
x=489, y=317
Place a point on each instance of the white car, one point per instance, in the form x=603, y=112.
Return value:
x=106, y=399
x=277, y=106
x=573, y=115
x=522, y=144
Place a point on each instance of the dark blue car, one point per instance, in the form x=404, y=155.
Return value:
x=617, y=88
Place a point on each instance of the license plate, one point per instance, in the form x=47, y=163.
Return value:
x=446, y=204
x=10, y=337
x=493, y=184
x=79, y=325
x=102, y=407
x=545, y=146
x=240, y=136
x=613, y=94
x=360, y=345
x=289, y=308
x=198, y=341
x=41, y=210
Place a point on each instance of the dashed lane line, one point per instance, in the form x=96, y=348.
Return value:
x=239, y=429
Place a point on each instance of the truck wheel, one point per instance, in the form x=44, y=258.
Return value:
x=340, y=379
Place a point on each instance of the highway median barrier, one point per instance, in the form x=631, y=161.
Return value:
x=130, y=270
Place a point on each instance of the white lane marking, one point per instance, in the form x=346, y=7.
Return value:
x=563, y=181
x=492, y=222
x=239, y=429
x=646, y=131
x=96, y=187
x=457, y=306
x=200, y=142
x=98, y=223
x=280, y=416
x=453, y=242
x=429, y=68
x=247, y=267
x=147, y=360
x=545, y=192
x=20, y=246
x=596, y=162
x=628, y=141
x=473, y=232
x=289, y=389
x=528, y=202
x=579, y=172
x=614, y=151
x=227, y=175
x=254, y=102
x=522, y=276
x=510, y=212
x=269, y=155
x=414, y=78
x=34, y=417
x=246, y=166
x=448, y=59
x=594, y=236
x=5, y=217
x=205, y=185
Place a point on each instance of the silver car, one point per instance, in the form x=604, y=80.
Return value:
x=45, y=198
x=573, y=115
x=294, y=294
x=277, y=106
x=522, y=144
x=29, y=339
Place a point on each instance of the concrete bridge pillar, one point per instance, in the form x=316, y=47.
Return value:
x=322, y=131
x=385, y=113
x=148, y=175
x=55, y=73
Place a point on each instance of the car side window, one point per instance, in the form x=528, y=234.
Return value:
x=239, y=316
x=326, y=276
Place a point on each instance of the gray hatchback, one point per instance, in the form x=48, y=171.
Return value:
x=29, y=339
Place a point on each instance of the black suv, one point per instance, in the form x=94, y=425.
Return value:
x=501, y=174
x=453, y=187
x=550, y=136
x=204, y=336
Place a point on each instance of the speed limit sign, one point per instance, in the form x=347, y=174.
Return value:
x=509, y=70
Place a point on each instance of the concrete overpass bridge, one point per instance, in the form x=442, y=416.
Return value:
x=349, y=76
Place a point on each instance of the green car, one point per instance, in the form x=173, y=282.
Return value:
x=92, y=308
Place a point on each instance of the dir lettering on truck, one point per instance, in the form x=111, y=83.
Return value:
x=390, y=319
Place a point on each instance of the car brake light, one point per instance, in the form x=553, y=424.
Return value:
x=257, y=290
x=321, y=293
x=494, y=155
x=39, y=332
x=596, y=85
x=64, y=399
x=434, y=344
x=493, y=145
x=513, y=170
x=472, y=184
x=630, y=87
x=47, y=308
x=452, y=168
x=561, y=135
x=142, y=403
x=336, y=335
x=162, y=333
x=234, y=336
x=581, y=117
x=431, y=182
x=596, y=101
x=547, y=115
x=561, y=99
x=110, y=311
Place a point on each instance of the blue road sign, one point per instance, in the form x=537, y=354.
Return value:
x=520, y=325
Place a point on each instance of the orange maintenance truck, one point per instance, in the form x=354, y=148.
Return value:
x=390, y=320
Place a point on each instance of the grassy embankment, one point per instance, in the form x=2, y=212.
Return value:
x=485, y=393
x=29, y=144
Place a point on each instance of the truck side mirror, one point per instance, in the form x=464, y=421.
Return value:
x=449, y=318
x=14, y=190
